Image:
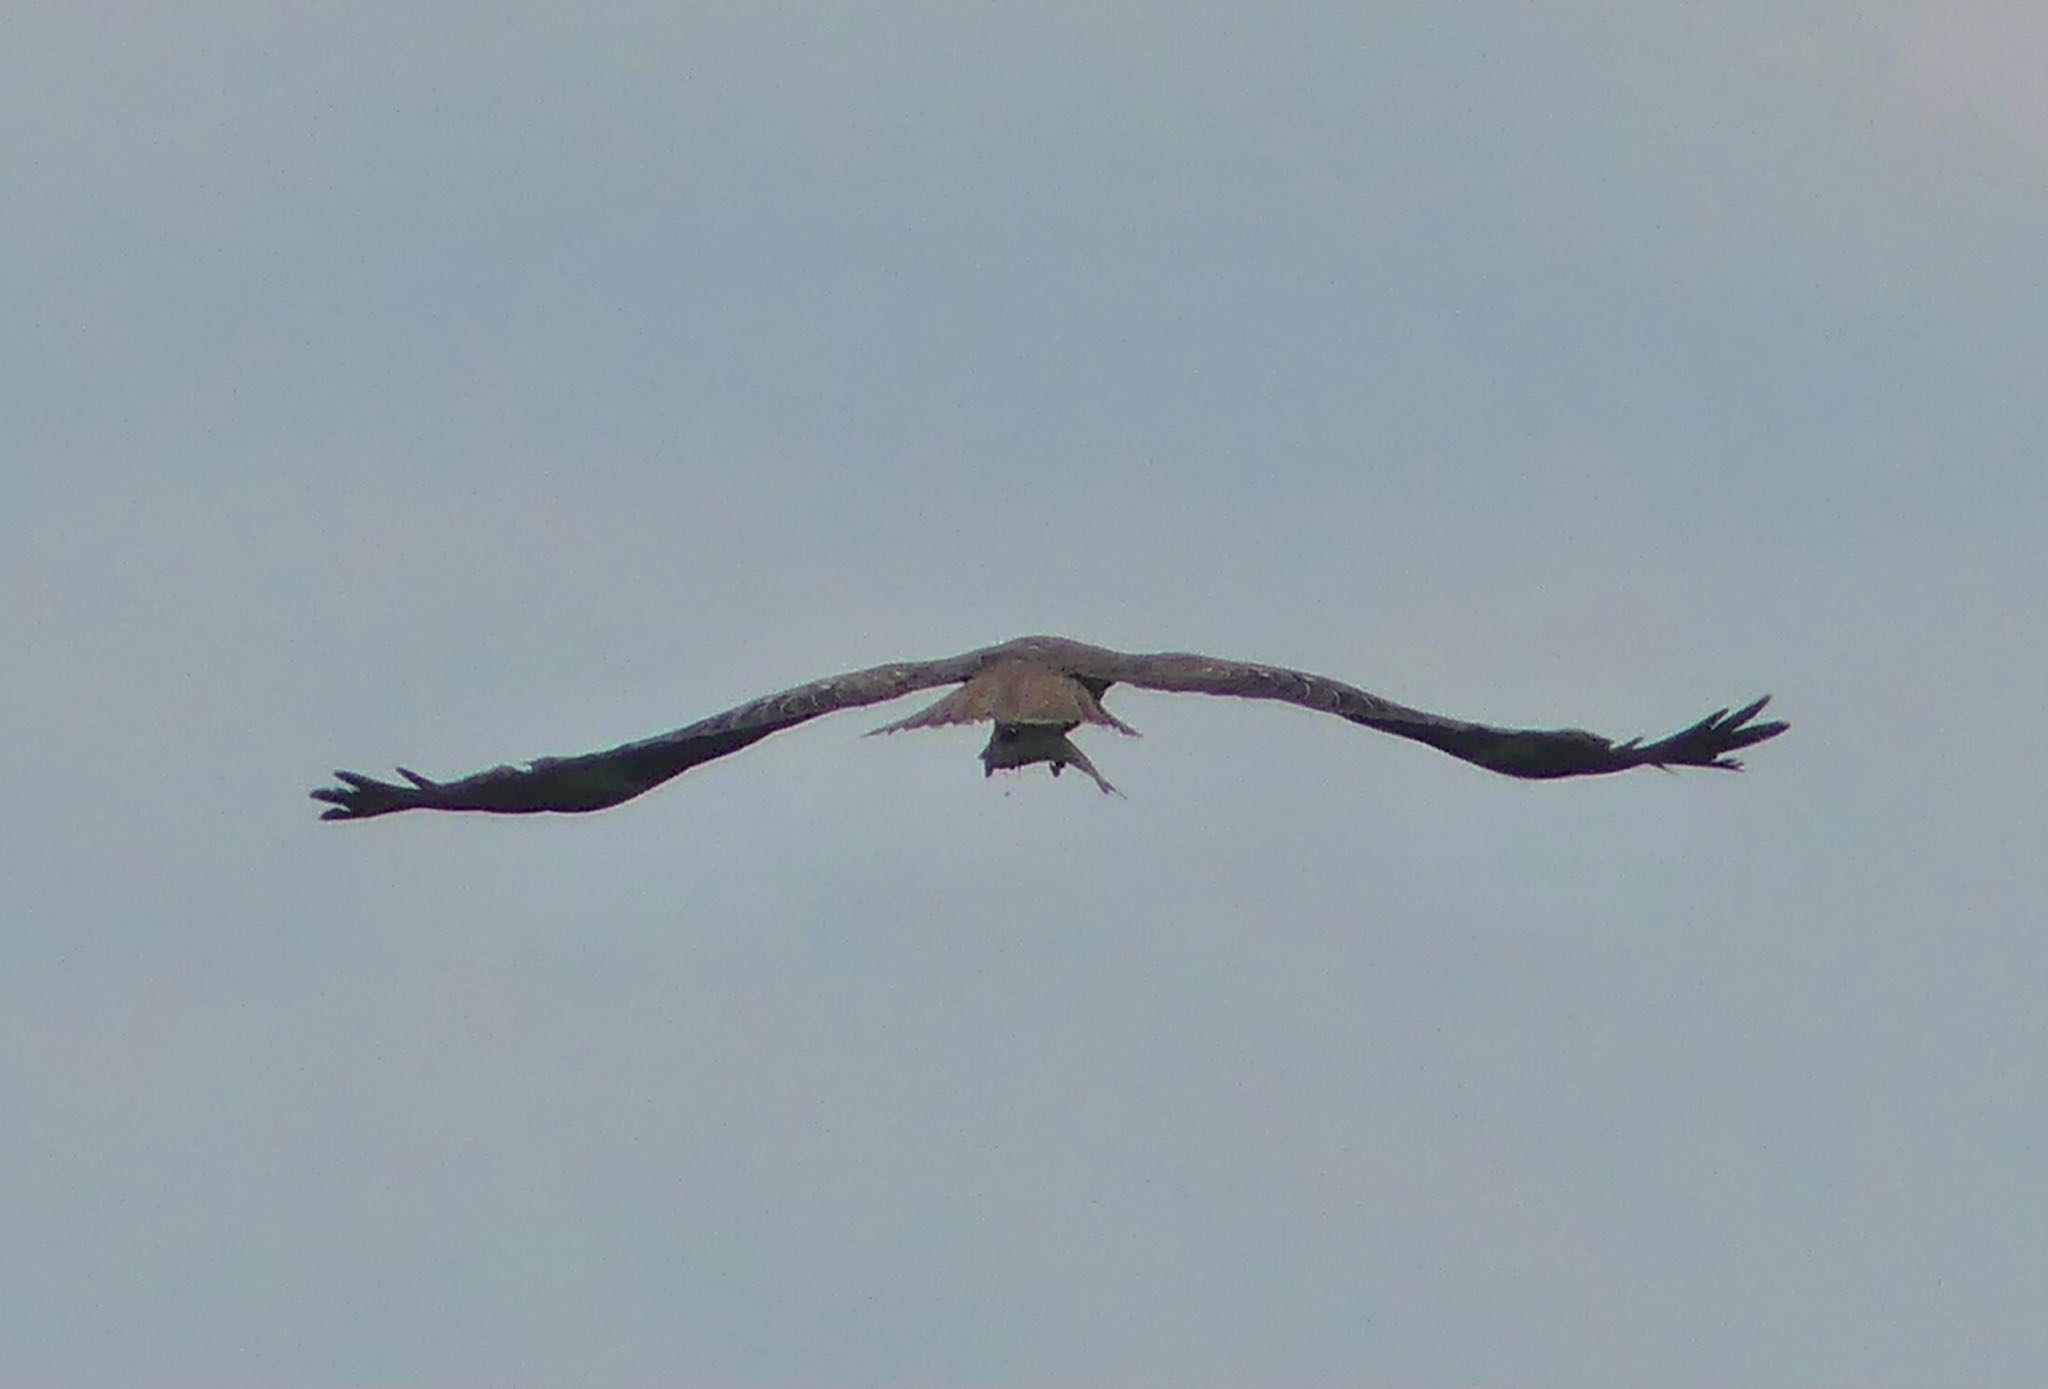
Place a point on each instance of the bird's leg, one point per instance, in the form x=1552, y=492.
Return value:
x=1080, y=759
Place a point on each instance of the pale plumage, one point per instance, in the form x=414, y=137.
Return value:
x=1035, y=690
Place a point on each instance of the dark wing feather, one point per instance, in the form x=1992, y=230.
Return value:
x=1520, y=752
x=596, y=780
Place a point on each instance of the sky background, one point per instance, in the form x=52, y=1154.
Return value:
x=458, y=384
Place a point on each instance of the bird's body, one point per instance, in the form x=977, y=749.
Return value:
x=1036, y=691
x=1033, y=705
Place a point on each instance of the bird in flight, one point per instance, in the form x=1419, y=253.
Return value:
x=1036, y=691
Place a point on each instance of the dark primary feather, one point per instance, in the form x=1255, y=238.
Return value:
x=595, y=780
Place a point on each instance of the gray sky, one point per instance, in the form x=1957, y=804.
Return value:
x=459, y=385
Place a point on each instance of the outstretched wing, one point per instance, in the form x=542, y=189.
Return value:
x=595, y=780
x=1520, y=752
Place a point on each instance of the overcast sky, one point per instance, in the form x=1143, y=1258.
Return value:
x=457, y=384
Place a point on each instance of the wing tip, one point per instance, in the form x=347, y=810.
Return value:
x=360, y=797
x=1712, y=741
